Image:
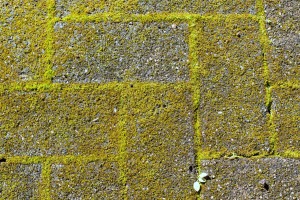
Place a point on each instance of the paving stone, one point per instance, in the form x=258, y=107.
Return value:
x=232, y=95
x=193, y=6
x=283, y=30
x=93, y=180
x=62, y=122
x=286, y=112
x=19, y=181
x=159, y=142
x=22, y=28
x=67, y=7
x=266, y=178
x=106, y=51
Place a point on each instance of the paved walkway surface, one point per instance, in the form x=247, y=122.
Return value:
x=133, y=99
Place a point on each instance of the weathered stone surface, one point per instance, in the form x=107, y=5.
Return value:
x=22, y=28
x=19, y=181
x=93, y=180
x=159, y=142
x=283, y=30
x=106, y=51
x=266, y=178
x=232, y=94
x=67, y=7
x=193, y=6
x=59, y=122
x=286, y=112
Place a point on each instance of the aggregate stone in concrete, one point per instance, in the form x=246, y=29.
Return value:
x=266, y=178
x=160, y=148
x=194, y=6
x=232, y=108
x=22, y=32
x=102, y=52
x=93, y=180
x=67, y=7
x=282, y=23
x=19, y=181
x=59, y=122
x=286, y=112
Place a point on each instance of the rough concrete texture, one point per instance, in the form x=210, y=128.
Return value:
x=59, y=122
x=67, y=7
x=193, y=6
x=265, y=178
x=22, y=38
x=102, y=52
x=160, y=150
x=286, y=111
x=115, y=99
x=96, y=180
x=282, y=17
x=18, y=181
x=232, y=106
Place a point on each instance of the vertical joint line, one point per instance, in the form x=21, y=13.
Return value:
x=48, y=74
x=195, y=82
x=265, y=42
x=122, y=160
x=45, y=185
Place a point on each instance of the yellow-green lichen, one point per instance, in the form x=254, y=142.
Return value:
x=232, y=90
x=22, y=32
x=89, y=113
x=159, y=123
x=286, y=112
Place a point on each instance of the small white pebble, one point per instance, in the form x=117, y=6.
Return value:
x=197, y=186
x=203, y=175
x=174, y=26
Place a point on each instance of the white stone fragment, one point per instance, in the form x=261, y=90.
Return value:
x=202, y=176
x=197, y=186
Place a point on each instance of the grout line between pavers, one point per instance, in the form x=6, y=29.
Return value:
x=265, y=42
x=33, y=86
x=195, y=81
x=123, y=17
x=122, y=158
x=48, y=75
x=63, y=159
x=45, y=184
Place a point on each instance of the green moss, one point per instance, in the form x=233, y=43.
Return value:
x=49, y=51
x=44, y=187
x=291, y=154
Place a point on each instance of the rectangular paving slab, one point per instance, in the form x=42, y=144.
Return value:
x=22, y=28
x=106, y=51
x=192, y=6
x=19, y=181
x=282, y=17
x=286, y=112
x=265, y=178
x=59, y=122
x=159, y=149
x=67, y=7
x=92, y=180
x=232, y=109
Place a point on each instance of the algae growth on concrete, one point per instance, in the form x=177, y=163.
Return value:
x=134, y=99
